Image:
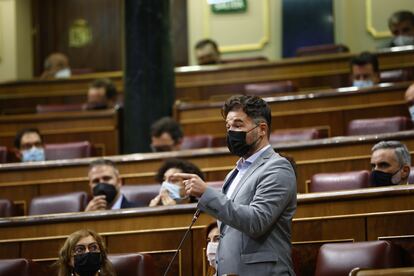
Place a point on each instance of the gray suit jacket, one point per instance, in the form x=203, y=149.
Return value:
x=256, y=230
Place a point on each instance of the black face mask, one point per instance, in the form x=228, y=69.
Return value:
x=108, y=190
x=87, y=264
x=379, y=178
x=236, y=142
x=96, y=106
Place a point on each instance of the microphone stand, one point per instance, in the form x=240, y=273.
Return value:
x=195, y=217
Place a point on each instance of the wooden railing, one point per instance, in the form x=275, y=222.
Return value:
x=21, y=182
x=201, y=83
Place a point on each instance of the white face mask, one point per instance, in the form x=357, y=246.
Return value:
x=363, y=83
x=64, y=73
x=411, y=110
x=211, y=252
x=403, y=40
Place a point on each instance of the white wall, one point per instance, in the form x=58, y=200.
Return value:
x=15, y=40
x=350, y=25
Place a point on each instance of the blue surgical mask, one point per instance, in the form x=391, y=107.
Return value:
x=363, y=83
x=33, y=154
x=173, y=190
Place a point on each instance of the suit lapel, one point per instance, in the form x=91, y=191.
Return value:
x=257, y=163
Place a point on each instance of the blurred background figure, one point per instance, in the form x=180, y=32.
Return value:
x=207, y=52
x=365, y=70
x=101, y=94
x=56, y=66
x=401, y=25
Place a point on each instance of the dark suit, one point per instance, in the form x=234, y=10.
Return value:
x=256, y=220
x=127, y=204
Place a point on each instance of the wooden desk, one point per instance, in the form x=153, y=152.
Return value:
x=324, y=71
x=203, y=82
x=159, y=230
x=22, y=181
x=332, y=110
x=100, y=128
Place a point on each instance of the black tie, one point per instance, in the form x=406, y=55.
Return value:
x=229, y=181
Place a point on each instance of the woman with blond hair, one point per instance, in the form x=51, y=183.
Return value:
x=84, y=254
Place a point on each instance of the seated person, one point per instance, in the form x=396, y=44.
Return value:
x=84, y=253
x=166, y=135
x=409, y=98
x=213, y=237
x=28, y=145
x=365, y=70
x=56, y=66
x=401, y=25
x=390, y=162
x=207, y=52
x=172, y=190
x=101, y=94
x=105, y=184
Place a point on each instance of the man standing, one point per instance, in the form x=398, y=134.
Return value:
x=390, y=162
x=105, y=184
x=258, y=200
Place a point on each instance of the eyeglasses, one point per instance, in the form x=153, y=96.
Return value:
x=81, y=248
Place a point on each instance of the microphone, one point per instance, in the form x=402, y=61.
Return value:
x=195, y=217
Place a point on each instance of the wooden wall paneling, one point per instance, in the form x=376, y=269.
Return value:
x=53, y=21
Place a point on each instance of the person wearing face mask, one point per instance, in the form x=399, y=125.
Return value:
x=105, y=184
x=213, y=237
x=365, y=70
x=401, y=25
x=166, y=135
x=29, y=146
x=101, y=95
x=84, y=254
x=56, y=67
x=390, y=162
x=258, y=199
x=172, y=189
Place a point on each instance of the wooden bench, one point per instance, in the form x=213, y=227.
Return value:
x=159, y=230
x=21, y=182
x=201, y=83
x=100, y=128
x=332, y=110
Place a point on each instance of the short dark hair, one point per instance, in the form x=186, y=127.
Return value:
x=366, y=58
x=108, y=85
x=255, y=107
x=21, y=133
x=401, y=16
x=185, y=166
x=103, y=162
x=204, y=42
x=168, y=125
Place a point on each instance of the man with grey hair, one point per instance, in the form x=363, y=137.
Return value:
x=105, y=184
x=390, y=162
